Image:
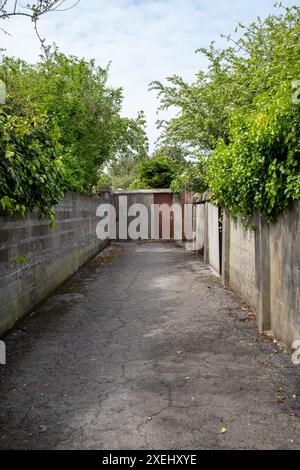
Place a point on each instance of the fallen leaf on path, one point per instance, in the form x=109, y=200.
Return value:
x=280, y=397
x=223, y=430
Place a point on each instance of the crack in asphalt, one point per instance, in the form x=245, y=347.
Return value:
x=144, y=348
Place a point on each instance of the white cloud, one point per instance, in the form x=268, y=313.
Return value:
x=144, y=39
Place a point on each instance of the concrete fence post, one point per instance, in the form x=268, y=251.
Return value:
x=104, y=194
x=262, y=273
x=206, y=241
x=226, y=248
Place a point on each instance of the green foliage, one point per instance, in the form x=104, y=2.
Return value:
x=191, y=177
x=242, y=117
x=21, y=259
x=74, y=92
x=173, y=153
x=30, y=163
x=121, y=170
x=168, y=168
x=260, y=168
x=61, y=123
x=155, y=173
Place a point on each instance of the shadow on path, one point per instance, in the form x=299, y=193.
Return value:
x=144, y=348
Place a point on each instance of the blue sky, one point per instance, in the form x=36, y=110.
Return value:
x=144, y=39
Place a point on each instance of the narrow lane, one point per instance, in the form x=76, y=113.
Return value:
x=144, y=348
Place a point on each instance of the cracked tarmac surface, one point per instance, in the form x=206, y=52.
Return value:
x=144, y=349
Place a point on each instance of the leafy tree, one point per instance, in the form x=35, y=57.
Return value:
x=155, y=173
x=242, y=116
x=190, y=177
x=74, y=93
x=173, y=153
x=132, y=142
x=120, y=173
x=168, y=168
x=260, y=166
x=121, y=170
x=60, y=124
x=30, y=163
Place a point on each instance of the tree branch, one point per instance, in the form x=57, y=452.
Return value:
x=33, y=10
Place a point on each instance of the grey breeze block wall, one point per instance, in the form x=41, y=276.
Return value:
x=242, y=262
x=284, y=248
x=264, y=268
x=35, y=259
x=212, y=254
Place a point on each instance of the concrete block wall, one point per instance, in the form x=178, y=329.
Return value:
x=284, y=248
x=211, y=237
x=242, y=262
x=263, y=267
x=199, y=233
x=35, y=259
